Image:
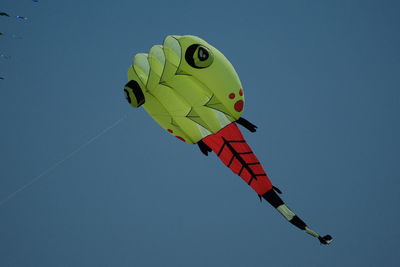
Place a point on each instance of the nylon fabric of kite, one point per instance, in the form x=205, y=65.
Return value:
x=194, y=93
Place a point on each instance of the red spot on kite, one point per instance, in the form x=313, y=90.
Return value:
x=170, y=131
x=180, y=138
x=239, y=105
x=241, y=92
x=231, y=95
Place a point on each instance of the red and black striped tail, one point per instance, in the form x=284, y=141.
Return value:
x=235, y=153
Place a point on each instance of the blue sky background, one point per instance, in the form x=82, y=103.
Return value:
x=321, y=81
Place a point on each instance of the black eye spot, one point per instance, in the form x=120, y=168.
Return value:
x=198, y=56
x=137, y=98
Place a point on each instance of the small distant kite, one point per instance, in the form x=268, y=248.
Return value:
x=21, y=17
x=4, y=56
x=194, y=93
x=4, y=14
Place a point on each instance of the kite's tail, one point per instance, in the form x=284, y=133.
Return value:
x=236, y=154
x=289, y=215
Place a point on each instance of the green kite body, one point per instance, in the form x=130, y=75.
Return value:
x=189, y=101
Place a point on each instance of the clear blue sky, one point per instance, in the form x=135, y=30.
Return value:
x=321, y=80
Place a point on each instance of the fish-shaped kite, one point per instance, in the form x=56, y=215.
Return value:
x=193, y=92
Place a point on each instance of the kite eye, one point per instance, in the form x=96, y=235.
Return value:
x=198, y=56
x=127, y=97
x=134, y=94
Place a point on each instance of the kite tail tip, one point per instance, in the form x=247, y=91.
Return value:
x=326, y=240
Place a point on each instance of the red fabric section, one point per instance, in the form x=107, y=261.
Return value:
x=235, y=153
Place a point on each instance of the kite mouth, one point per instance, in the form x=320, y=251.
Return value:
x=239, y=105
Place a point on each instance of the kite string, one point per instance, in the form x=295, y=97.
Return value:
x=68, y=156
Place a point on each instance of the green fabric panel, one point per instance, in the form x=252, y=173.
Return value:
x=193, y=92
x=190, y=128
x=142, y=68
x=174, y=103
x=171, y=42
x=311, y=232
x=215, y=103
x=172, y=54
x=194, y=116
x=286, y=212
x=156, y=62
x=188, y=102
